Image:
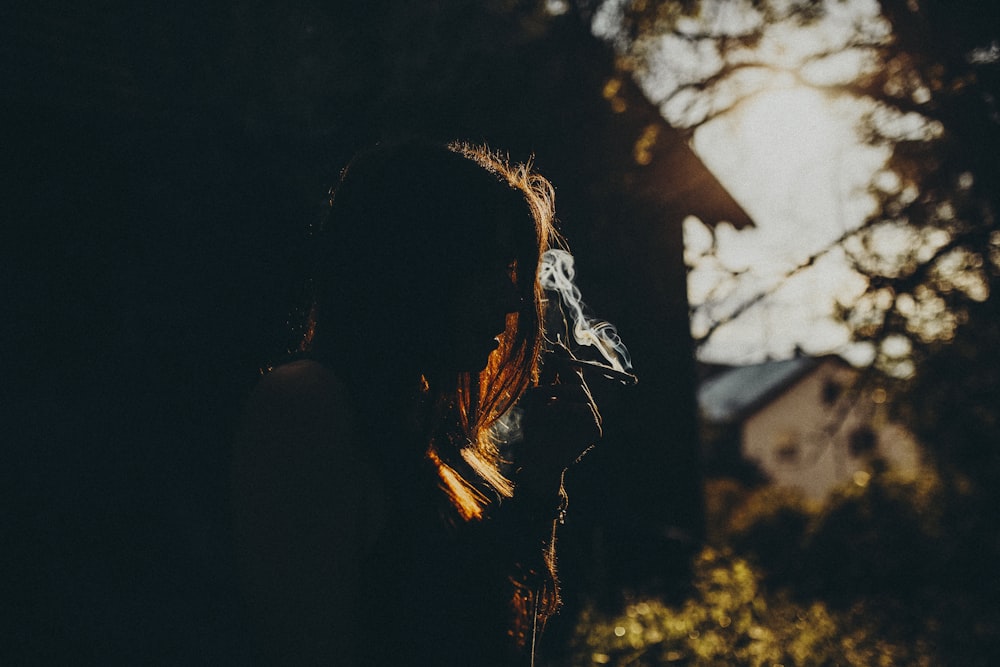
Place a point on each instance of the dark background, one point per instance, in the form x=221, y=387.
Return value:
x=162, y=166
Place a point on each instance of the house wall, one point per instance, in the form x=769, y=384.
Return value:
x=804, y=439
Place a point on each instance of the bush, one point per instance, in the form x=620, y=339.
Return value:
x=889, y=572
x=731, y=618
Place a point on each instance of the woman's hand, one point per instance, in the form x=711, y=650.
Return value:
x=560, y=424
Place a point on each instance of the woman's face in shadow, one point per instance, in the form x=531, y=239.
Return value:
x=486, y=286
x=479, y=313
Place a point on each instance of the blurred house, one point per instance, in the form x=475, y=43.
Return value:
x=804, y=422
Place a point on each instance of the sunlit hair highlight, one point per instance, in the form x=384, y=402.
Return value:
x=510, y=369
x=514, y=365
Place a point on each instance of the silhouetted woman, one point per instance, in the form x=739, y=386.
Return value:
x=377, y=520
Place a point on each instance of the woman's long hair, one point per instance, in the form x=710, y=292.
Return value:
x=397, y=221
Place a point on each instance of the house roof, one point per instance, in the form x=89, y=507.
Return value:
x=733, y=394
x=680, y=178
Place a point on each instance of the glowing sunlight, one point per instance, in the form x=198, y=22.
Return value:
x=769, y=122
x=792, y=158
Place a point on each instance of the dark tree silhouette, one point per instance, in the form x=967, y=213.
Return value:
x=166, y=162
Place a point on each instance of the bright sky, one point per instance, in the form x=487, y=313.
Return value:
x=792, y=159
x=791, y=156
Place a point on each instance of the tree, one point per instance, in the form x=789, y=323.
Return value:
x=926, y=74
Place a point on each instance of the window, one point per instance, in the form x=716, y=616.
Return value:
x=831, y=391
x=786, y=448
x=862, y=441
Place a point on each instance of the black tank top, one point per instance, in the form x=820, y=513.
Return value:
x=436, y=593
x=436, y=590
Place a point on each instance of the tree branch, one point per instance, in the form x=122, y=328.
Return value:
x=764, y=294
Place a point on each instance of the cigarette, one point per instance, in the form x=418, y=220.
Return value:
x=588, y=367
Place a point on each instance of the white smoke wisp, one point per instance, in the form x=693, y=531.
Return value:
x=556, y=274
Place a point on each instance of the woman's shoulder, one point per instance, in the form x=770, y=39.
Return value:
x=302, y=395
x=308, y=509
x=302, y=414
x=300, y=437
x=302, y=379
